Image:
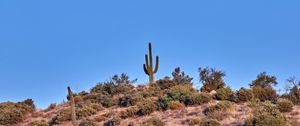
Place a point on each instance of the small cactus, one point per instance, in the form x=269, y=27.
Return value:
x=148, y=67
x=72, y=106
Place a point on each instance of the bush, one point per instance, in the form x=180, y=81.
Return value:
x=64, y=115
x=147, y=106
x=198, y=99
x=218, y=111
x=88, y=123
x=87, y=109
x=13, y=113
x=153, y=122
x=112, y=122
x=180, y=92
x=224, y=93
x=175, y=105
x=209, y=122
x=108, y=102
x=193, y=122
x=129, y=100
x=163, y=103
x=264, y=94
x=267, y=115
x=284, y=105
x=38, y=123
x=130, y=111
x=244, y=95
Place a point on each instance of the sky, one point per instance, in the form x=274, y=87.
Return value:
x=46, y=46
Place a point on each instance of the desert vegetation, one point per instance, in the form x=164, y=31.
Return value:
x=172, y=100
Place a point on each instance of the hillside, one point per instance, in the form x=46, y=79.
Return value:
x=171, y=101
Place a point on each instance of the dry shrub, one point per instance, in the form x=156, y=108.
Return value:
x=264, y=94
x=147, y=106
x=130, y=111
x=209, y=122
x=284, y=105
x=99, y=118
x=175, y=105
x=194, y=121
x=266, y=114
x=13, y=113
x=219, y=111
x=112, y=122
x=38, y=123
x=153, y=122
x=244, y=95
x=198, y=99
x=88, y=123
x=51, y=107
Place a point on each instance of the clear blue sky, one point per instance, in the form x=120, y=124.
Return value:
x=47, y=45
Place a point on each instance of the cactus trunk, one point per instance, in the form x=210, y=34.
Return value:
x=72, y=104
x=148, y=67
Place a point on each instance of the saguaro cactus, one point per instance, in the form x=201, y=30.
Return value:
x=148, y=67
x=72, y=103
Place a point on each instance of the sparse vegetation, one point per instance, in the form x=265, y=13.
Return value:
x=38, y=123
x=153, y=122
x=209, y=122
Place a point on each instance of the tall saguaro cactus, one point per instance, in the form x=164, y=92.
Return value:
x=148, y=67
x=72, y=106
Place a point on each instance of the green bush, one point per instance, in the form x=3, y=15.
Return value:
x=13, y=113
x=284, y=105
x=38, y=123
x=163, y=103
x=108, y=102
x=198, y=99
x=209, y=122
x=224, y=93
x=153, y=122
x=181, y=92
x=88, y=123
x=147, y=106
x=244, y=95
x=175, y=105
x=266, y=114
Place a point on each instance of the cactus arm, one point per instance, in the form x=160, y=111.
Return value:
x=156, y=65
x=146, y=70
x=147, y=62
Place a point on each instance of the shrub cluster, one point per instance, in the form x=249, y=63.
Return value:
x=153, y=122
x=38, y=123
x=266, y=114
x=198, y=99
x=218, y=111
x=209, y=122
x=147, y=106
x=130, y=111
x=13, y=113
x=244, y=95
x=181, y=92
x=224, y=93
x=264, y=93
x=88, y=123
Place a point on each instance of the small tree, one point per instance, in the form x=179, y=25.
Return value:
x=179, y=77
x=211, y=79
x=264, y=80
